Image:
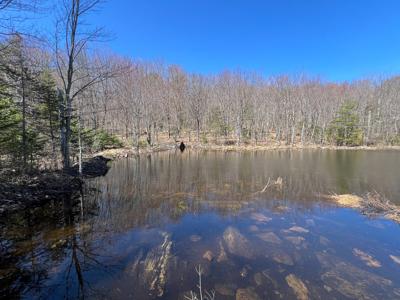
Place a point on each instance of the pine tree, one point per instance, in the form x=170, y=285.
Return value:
x=345, y=130
x=10, y=119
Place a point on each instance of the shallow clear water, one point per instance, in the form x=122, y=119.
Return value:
x=152, y=220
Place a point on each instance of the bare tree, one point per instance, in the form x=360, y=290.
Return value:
x=71, y=40
x=197, y=101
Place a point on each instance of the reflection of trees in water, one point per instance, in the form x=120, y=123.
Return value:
x=49, y=252
x=58, y=254
x=166, y=186
x=18, y=276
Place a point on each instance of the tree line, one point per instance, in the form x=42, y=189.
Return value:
x=59, y=98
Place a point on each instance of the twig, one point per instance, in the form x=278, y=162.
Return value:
x=265, y=188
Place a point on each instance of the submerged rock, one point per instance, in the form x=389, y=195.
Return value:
x=281, y=209
x=298, y=287
x=270, y=279
x=396, y=259
x=236, y=243
x=259, y=217
x=296, y=240
x=151, y=269
x=208, y=255
x=323, y=241
x=269, y=237
x=267, y=282
x=195, y=238
x=353, y=282
x=225, y=289
x=245, y=271
x=222, y=253
x=132, y=269
x=258, y=278
x=366, y=258
x=155, y=266
x=253, y=228
x=247, y=294
x=310, y=222
x=282, y=258
x=298, y=229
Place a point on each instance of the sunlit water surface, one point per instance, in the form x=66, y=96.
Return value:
x=152, y=220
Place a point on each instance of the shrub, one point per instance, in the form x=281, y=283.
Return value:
x=394, y=140
x=103, y=140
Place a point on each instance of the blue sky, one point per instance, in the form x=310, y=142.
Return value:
x=335, y=39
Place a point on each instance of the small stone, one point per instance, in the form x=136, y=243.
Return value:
x=298, y=287
x=295, y=240
x=282, y=208
x=222, y=254
x=298, y=229
x=327, y=288
x=259, y=217
x=195, y=238
x=258, y=278
x=253, y=228
x=270, y=279
x=396, y=259
x=247, y=294
x=310, y=222
x=208, y=255
x=244, y=272
x=269, y=237
x=323, y=241
x=366, y=258
x=283, y=258
x=225, y=289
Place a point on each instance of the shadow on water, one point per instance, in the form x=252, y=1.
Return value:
x=151, y=220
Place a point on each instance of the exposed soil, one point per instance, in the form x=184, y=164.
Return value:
x=19, y=192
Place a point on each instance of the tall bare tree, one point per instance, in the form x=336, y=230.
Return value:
x=71, y=41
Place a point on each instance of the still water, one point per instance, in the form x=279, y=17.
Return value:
x=151, y=221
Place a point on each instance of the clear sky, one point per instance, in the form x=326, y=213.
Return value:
x=334, y=39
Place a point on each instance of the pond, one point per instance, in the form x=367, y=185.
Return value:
x=153, y=221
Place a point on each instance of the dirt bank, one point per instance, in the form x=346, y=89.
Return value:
x=131, y=152
x=19, y=192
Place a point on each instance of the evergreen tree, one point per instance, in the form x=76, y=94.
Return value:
x=47, y=109
x=345, y=130
x=10, y=119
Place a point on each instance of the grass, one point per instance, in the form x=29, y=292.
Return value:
x=372, y=204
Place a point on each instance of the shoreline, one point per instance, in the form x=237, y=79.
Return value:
x=131, y=152
x=21, y=192
x=27, y=191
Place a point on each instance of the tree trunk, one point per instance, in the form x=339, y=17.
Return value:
x=80, y=145
x=198, y=130
x=302, y=133
x=24, y=143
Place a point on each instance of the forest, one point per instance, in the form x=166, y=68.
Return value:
x=62, y=98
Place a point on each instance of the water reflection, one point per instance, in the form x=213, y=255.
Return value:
x=152, y=220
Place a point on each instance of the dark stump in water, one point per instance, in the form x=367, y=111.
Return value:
x=182, y=146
